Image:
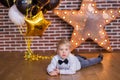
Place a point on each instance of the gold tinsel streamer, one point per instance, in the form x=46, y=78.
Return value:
x=8, y=3
x=29, y=55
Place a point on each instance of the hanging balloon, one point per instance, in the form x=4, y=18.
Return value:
x=16, y=17
x=24, y=5
x=7, y=3
x=36, y=25
x=40, y=3
x=51, y=5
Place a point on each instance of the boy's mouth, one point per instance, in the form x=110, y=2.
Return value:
x=63, y=55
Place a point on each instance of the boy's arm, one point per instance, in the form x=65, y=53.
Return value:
x=52, y=66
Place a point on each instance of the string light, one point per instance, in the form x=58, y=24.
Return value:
x=103, y=12
x=95, y=12
x=103, y=33
x=113, y=16
x=70, y=21
x=73, y=12
x=72, y=40
x=95, y=39
x=74, y=34
x=63, y=17
x=108, y=48
x=93, y=5
x=105, y=40
x=111, y=11
x=101, y=43
x=76, y=27
x=100, y=25
x=88, y=34
x=119, y=11
x=57, y=12
x=76, y=43
x=81, y=12
x=83, y=5
x=65, y=12
x=82, y=39
x=106, y=21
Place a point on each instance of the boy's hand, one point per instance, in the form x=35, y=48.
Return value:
x=53, y=73
x=58, y=71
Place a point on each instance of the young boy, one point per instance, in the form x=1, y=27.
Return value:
x=66, y=63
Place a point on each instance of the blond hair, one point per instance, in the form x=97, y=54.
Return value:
x=63, y=42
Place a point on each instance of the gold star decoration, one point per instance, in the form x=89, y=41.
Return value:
x=36, y=25
x=88, y=22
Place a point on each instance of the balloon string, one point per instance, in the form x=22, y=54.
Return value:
x=14, y=1
x=27, y=39
x=8, y=3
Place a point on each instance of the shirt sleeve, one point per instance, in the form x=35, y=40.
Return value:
x=72, y=69
x=52, y=66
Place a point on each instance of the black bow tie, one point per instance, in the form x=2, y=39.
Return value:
x=65, y=61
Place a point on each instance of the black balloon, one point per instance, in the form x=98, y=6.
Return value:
x=40, y=3
x=24, y=6
x=7, y=3
x=51, y=5
x=30, y=6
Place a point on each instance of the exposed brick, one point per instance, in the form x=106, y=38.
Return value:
x=12, y=40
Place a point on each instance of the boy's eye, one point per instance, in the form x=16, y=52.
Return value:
x=66, y=49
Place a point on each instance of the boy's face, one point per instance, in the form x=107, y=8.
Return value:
x=63, y=51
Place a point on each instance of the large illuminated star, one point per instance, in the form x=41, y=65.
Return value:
x=36, y=25
x=88, y=22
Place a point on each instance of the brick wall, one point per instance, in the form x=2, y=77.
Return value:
x=12, y=40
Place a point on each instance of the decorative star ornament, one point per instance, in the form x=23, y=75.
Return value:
x=36, y=25
x=89, y=22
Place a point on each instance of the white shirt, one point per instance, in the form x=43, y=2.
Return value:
x=70, y=68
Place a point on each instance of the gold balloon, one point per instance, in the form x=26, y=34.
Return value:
x=36, y=25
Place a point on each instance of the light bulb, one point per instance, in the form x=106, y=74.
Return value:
x=57, y=12
x=76, y=43
x=82, y=39
x=95, y=12
x=111, y=11
x=113, y=16
x=103, y=33
x=81, y=12
x=100, y=25
x=105, y=40
x=72, y=40
x=88, y=34
x=93, y=4
x=103, y=12
x=108, y=47
x=63, y=17
x=95, y=39
x=74, y=33
x=83, y=5
x=101, y=43
x=65, y=12
x=106, y=21
x=73, y=12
